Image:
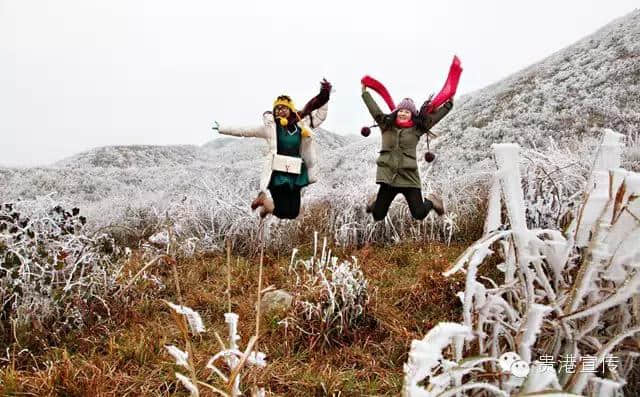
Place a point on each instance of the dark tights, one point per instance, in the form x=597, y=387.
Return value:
x=419, y=208
x=286, y=202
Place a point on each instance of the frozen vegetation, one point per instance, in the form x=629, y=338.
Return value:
x=54, y=274
x=559, y=191
x=568, y=301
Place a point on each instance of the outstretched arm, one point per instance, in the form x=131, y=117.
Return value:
x=431, y=119
x=373, y=107
x=253, y=132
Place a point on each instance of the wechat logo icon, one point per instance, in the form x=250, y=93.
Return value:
x=511, y=362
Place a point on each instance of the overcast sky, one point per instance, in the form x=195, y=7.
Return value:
x=76, y=74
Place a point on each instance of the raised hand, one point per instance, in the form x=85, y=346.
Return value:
x=325, y=85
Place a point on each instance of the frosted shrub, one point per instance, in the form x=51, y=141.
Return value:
x=203, y=226
x=52, y=272
x=219, y=209
x=464, y=195
x=331, y=297
x=426, y=360
x=209, y=203
x=552, y=181
x=631, y=154
x=568, y=301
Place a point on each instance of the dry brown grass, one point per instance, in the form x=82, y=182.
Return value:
x=125, y=355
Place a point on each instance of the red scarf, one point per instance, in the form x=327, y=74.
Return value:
x=404, y=124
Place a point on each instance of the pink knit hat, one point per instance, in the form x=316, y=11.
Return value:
x=407, y=103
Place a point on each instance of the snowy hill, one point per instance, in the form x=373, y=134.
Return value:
x=223, y=150
x=570, y=95
x=134, y=156
x=102, y=172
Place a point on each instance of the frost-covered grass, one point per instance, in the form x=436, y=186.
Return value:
x=566, y=296
x=127, y=353
x=208, y=205
x=54, y=274
x=331, y=297
x=229, y=355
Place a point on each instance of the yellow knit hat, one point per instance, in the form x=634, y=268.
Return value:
x=284, y=100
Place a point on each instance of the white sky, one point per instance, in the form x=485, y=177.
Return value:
x=76, y=74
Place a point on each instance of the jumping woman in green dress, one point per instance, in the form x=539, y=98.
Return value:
x=287, y=132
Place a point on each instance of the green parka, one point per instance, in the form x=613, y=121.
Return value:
x=397, y=165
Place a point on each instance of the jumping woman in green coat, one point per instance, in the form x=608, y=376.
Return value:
x=397, y=168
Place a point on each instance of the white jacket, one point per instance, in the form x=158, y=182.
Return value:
x=268, y=133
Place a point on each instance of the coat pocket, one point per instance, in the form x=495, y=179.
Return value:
x=409, y=161
x=383, y=158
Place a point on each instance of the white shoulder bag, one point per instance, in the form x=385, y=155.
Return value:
x=292, y=165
